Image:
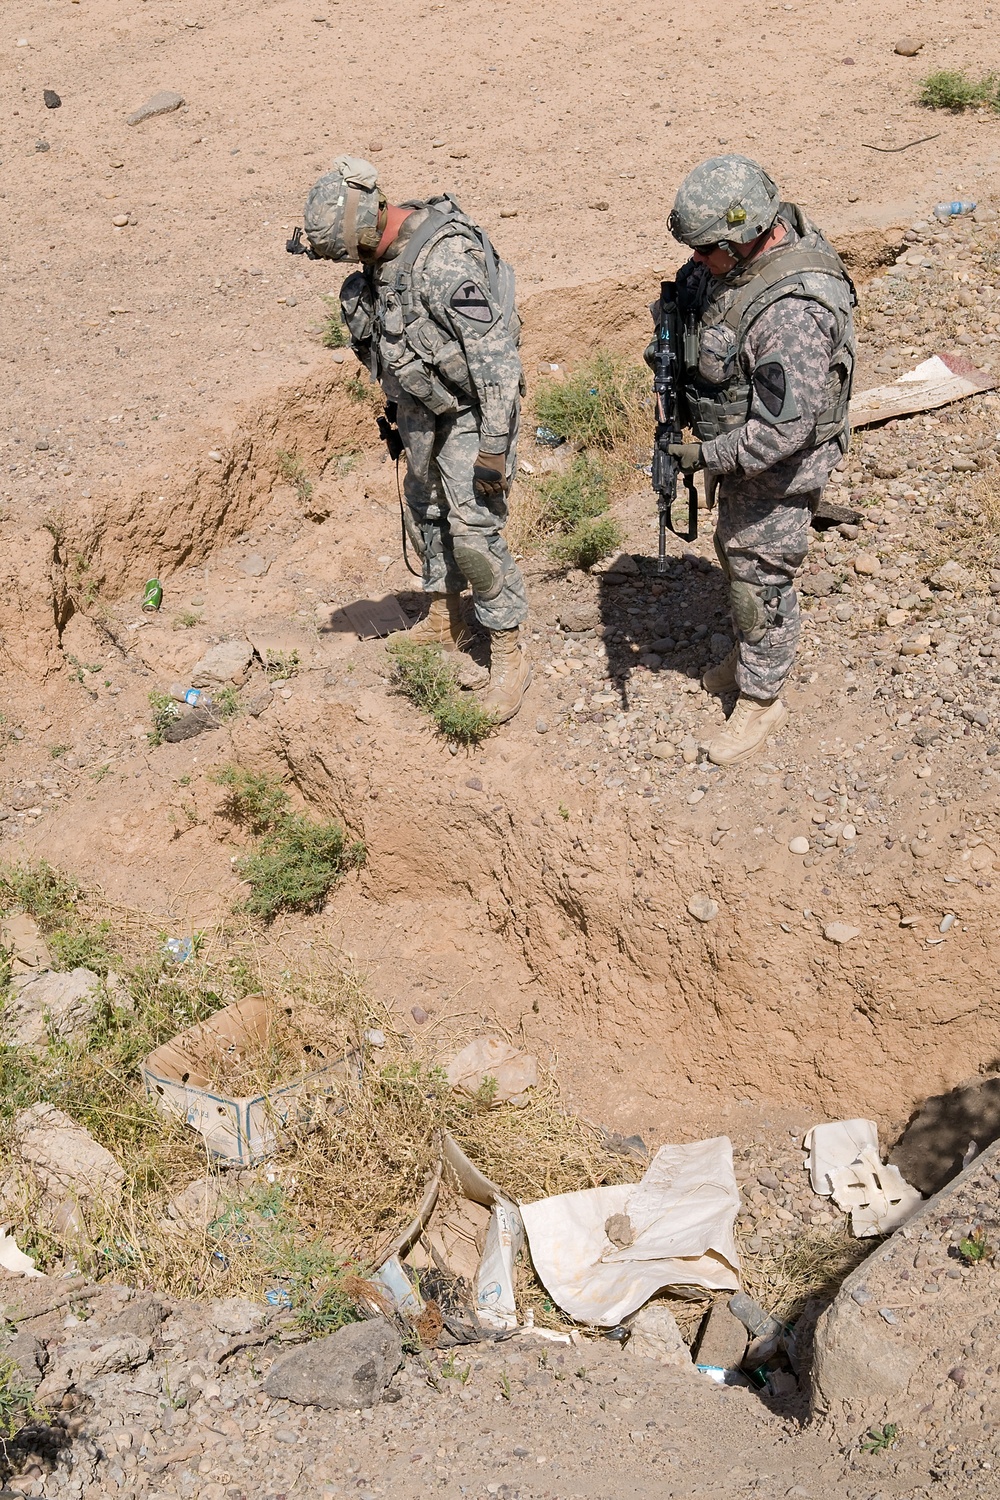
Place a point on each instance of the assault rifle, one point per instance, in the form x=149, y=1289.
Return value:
x=666, y=363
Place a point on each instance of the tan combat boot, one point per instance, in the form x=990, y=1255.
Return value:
x=441, y=626
x=722, y=677
x=749, y=726
x=510, y=673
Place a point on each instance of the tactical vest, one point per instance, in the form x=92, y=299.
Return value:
x=718, y=316
x=391, y=329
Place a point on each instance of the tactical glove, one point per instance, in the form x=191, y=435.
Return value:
x=489, y=476
x=688, y=455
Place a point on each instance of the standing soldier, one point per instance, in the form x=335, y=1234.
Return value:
x=768, y=364
x=432, y=317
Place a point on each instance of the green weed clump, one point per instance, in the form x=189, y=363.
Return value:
x=291, y=467
x=955, y=90
x=296, y=862
x=74, y=940
x=17, y=1401
x=570, y=512
x=604, y=404
x=165, y=711
x=424, y=676
x=588, y=542
x=334, y=334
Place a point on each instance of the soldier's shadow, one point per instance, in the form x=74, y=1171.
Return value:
x=663, y=623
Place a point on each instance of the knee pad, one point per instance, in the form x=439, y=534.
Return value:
x=481, y=568
x=749, y=614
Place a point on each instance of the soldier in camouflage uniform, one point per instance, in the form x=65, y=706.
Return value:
x=768, y=364
x=432, y=317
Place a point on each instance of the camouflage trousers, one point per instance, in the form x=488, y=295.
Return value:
x=457, y=536
x=762, y=540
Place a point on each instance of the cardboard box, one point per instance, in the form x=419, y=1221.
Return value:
x=239, y=1130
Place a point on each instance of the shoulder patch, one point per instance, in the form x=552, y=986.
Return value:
x=770, y=385
x=470, y=301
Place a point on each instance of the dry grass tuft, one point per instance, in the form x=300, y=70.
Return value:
x=812, y=1264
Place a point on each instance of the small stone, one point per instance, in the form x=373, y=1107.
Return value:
x=848, y=833
x=947, y=922
x=235, y=1315
x=768, y=1179
x=601, y=205
x=951, y=576
x=843, y=612
x=798, y=845
x=958, y=1375
x=215, y=455
x=662, y=749
x=907, y=46
x=255, y=566
x=694, y=797
x=703, y=908
x=419, y=1014
x=861, y=1295
x=51, y=99
x=458, y=154
x=888, y=1314
x=840, y=932
x=919, y=848
x=818, y=585
x=228, y=661
x=162, y=103
x=120, y=220
x=867, y=564
x=541, y=726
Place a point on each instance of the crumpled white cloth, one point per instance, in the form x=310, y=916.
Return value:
x=682, y=1215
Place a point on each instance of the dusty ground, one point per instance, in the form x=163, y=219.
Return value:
x=545, y=878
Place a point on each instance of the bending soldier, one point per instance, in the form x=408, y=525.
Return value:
x=432, y=317
x=768, y=364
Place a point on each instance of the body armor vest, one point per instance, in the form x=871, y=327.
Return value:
x=391, y=329
x=719, y=314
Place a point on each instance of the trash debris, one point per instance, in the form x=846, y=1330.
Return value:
x=954, y=209
x=489, y=1057
x=190, y=695
x=152, y=594
x=244, y=1127
x=878, y=1197
x=12, y=1259
x=399, y=1288
x=546, y=438
x=179, y=949
x=276, y=1296
x=496, y=1303
x=936, y=381
x=682, y=1212
x=835, y=1145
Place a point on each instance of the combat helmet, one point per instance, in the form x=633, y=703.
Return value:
x=726, y=199
x=345, y=212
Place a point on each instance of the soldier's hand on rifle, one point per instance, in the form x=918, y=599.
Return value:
x=688, y=455
x=489, y=476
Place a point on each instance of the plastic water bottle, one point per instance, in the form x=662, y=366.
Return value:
x=952, y=210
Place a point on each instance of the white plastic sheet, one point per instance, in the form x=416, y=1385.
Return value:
x=496, y=1305
x=11, y=1258
x=682, y=1215
x=844, y=1164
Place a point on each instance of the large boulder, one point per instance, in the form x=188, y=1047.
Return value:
x=347, y=1369
x=72, y=1172
x=39, y=1004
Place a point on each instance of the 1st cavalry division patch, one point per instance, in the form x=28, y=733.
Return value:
x=471, y=303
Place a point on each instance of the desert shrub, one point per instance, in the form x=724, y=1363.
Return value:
x=424, y=676
x=604, y=404
x=952, y=89
x=588, y=542
x=295, y=866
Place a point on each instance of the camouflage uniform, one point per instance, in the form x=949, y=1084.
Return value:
x=768, y=471
x=457, y=535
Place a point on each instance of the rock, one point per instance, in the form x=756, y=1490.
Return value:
x=50, y=1001
x=120, y=221
x=601, y=204
x=253, y=566
x=620, y=1231
x=663, y=749
x=259, y=702
x=186, y=726
x=28, y=1354
x=72, y=1171
x=663, y=645
x=162, y=103
x=907, y=46
x=976, y=715
x=927, y=733
x=195, y=1206
x=840, y=932
x=51, y=99
x=655, y=1335
x=798, y=845
x=229, y=661
x=513, y=1072
x=843, y=612
x=720, y=645
x=819, y=585
x=541, y=727
x=580, y=616
x=22, y=937
x=624, y=565
x=723, y=1338
x=703, y=908
x=768, y=1179
x=81, y=1361
x=345, y=1370
x=236, y=1315
x=951, y=575
x=867, y=564
x=929, y=1153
